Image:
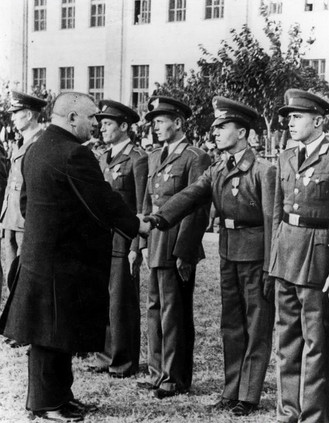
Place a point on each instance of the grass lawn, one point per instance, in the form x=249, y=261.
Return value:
x=119, y=400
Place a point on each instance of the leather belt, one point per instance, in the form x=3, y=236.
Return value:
x=239, y=224
x=305, y=222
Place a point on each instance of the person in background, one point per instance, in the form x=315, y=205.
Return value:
x=172, y=255
x=242, y=189
x=300, y=263
x=25, y=111
x=59, y=299
x=124, y=167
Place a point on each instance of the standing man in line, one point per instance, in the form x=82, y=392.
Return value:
x=172, y=255
x=124, y=166
x=25, y=111
x=59, y=300
x=242, y=189
x=300, y=262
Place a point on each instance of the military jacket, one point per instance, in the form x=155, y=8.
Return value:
x=243, y=196
x=11, y=216
x=300, y=255
x=127, y=173
x=181, y=168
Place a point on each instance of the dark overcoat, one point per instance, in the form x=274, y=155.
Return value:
x=60, y=299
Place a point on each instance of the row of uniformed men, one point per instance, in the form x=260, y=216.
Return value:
x=242, y=189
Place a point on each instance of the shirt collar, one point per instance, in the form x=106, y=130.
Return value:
x=238, y=155
x=313, y=145
x=173, y=145
x=118, y=147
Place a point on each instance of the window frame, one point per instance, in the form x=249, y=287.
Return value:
x=176, y=13
x=140, y=82
x=40, y=15
x=97, y=19
x=41, y=78
x=215, y=9
x=96, y=91
x=142, y=15
x=66, y=78
x=177, y=71
x=319, y=65
x=68, y=21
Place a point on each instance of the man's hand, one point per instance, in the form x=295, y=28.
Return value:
x=268, y=286
x=326, y=286
x=184, y=269
x=144, y=227
x=135, y=261
x=145, y=255
x=156, y=222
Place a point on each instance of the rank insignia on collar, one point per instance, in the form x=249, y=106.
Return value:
x=244, y=165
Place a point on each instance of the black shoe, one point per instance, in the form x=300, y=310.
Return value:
x=224, y=404
x=64, y=414
x=244, y=408
x=121, y=375
x=97, y=369
x=146, y=385
x=160, y=393
x=81, y=407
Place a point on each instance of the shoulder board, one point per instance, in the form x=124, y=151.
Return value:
x=139, y=150
x=197, y=151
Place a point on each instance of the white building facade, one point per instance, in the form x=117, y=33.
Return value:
x=119, y=48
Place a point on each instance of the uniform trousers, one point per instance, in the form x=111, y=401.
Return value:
x=122, y=342
x=302, y=338
x=170, y=329
x=49, y=378
x=13, y=245
x=247, y=325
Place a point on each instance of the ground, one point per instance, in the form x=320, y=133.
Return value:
x=119, y=400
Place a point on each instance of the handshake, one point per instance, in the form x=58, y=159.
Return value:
x=147, y=223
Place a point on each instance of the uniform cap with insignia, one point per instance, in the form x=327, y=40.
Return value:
x=114, y=110
x=20, y=101
x=226, y=110
x=162, y=105
x=303, y=101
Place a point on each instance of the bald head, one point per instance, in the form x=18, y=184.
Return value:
x=71, y=102
x=75, y=112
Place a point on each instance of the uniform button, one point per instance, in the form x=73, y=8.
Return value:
x=159, y=174
x=297, y=176
x=296, y=190
x=295, y=206
x=157, y=185
x=156, y=196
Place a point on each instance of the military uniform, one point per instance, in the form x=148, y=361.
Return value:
x=126, y=172
x=243, y=198
x=170, y=299
x=300, y=262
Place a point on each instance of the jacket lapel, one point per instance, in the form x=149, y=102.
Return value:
x=243, y=166
x=172, y=156
x=315, y=156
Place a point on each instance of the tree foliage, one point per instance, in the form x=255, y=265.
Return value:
x=243, y=70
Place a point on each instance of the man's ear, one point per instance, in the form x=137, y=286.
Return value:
x=71, y=118
x=124, y=126
x=318, y=120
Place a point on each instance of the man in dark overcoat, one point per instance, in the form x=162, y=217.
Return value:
x=124, y=166
x=241, y=187
x=59, y=301
x=300, y=262
x=172, y=255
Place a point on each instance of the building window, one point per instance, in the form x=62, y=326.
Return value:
x=96, y=82
x=175, y=74
x=66, y=77
x=319, y=65
x=97, y=17
x=142, y=12
x=308, y=5
x=177, y=10
x=68, y=14
x=140, y=85
x=275, y=7
x=40, y=15
x=214, y=9
x=38, y=78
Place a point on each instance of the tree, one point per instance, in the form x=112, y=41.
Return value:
x=243, y=70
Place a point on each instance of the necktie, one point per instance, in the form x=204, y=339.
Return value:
x=301, y=156
x=164, y=154
x=230, y=163
x=109, y=157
